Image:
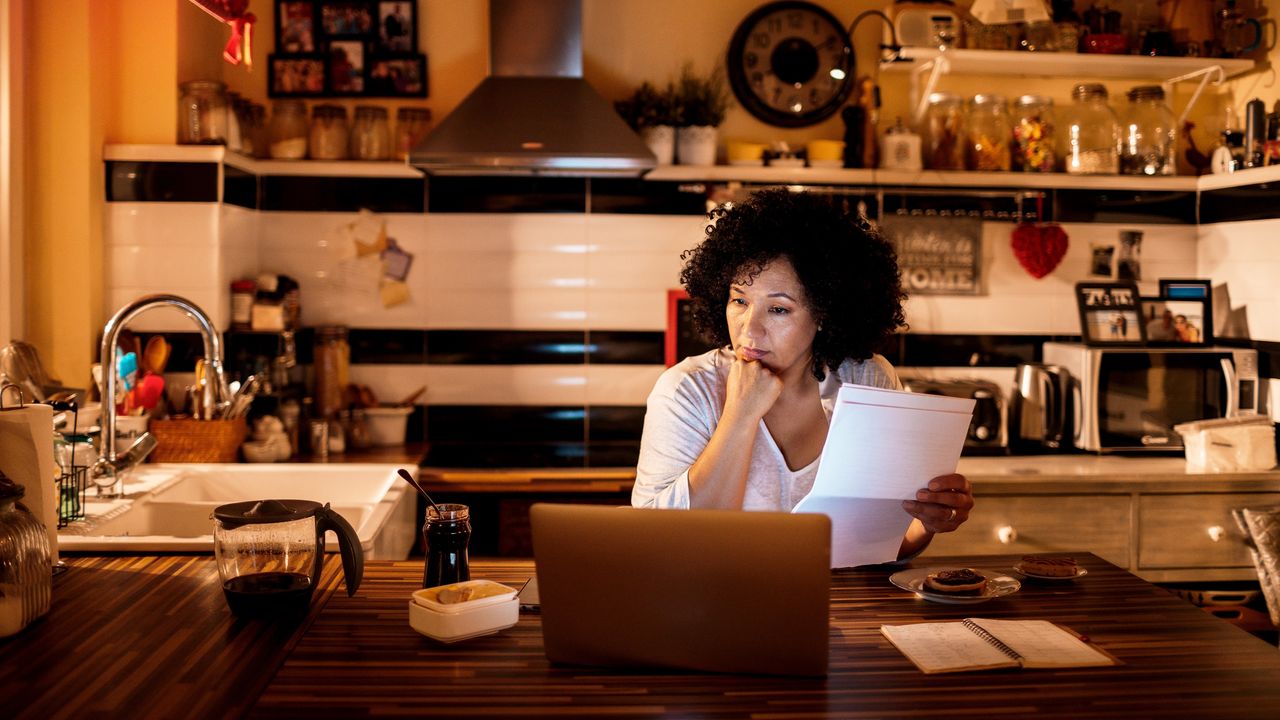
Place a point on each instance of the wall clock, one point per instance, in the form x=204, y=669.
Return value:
x=791, y=63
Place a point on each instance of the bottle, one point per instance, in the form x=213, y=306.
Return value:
x=944, y=132
x=370, y=135
x=202, y=113
x=328, y=139
x=288, y=133
x=990, y=133
x=1255, y=133
x=26, y=584
x=243, y=293
x=1149, y=139
x=1090, y=137
x=446, y=534
x=1066, y=24
x=1033, y=134
x=332, y=358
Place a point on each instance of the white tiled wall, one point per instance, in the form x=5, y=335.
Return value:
x=1245, y=256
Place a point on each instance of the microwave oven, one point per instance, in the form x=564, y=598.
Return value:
x=1128, y=399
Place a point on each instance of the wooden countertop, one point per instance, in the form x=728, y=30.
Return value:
x=152, y=637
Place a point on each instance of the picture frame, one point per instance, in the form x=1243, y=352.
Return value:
x=396, y=26
x=346, y=64
x=298, y=76
x=397, y=76
x=353, y=19
x=1176, y=322
x=1110, y=313
x=296, y=27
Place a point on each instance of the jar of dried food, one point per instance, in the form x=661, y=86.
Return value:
x=944, y=132
x=1090, y=134
x=1148, y=136
x=258, y=130
x=990, y=132
x=332, y=358
x=371, y=134
x=412, y=124
x=202, y=113
x=25, y=581
x=328, y=133
x=1033, y=136
x=288, y=133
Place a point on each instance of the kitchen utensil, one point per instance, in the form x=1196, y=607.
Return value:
x=408, y=476
x=156, y=355
x=20, y=364
x=270, y=553
x=387, y=425
x=1038, y=412
x=408, y=400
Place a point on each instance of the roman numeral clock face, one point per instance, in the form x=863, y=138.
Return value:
x=791, y=64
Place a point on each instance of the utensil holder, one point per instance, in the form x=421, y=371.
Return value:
x=187, y=440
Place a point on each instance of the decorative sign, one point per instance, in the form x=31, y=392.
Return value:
x=937, y=255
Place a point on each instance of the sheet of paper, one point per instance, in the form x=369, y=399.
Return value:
x=1041, y=644
x=26, y=457
x=945, y=647
x=882, y=446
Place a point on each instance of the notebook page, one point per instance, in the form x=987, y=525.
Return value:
x=945, y=647
x=1041, y=644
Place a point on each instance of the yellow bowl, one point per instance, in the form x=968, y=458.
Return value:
x=740, y=150
x=825, y=150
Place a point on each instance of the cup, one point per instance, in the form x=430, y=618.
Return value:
x=740, y=152
x=825, y=153
x=129, y=428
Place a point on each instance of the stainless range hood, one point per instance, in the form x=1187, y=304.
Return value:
x=534, y=114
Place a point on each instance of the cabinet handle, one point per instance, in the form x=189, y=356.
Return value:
x=1007, y=534
x=1216, y=533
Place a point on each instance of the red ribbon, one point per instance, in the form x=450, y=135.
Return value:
x=240, y=46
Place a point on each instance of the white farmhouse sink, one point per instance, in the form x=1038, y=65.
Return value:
x=169, y=507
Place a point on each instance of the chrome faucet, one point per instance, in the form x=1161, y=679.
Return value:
x=108, y=472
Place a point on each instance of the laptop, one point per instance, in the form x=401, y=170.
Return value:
x=705, y=590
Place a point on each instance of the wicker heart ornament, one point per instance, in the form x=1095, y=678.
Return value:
x=1039, y=248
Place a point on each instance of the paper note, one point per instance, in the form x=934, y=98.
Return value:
x=946, y=647
x=1040, y=643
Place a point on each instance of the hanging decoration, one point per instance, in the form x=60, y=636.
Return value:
x=236, y=14
x=1038, y=246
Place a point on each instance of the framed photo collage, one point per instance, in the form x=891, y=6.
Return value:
x=346, y=48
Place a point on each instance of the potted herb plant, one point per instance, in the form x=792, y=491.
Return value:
x=651, y=113
x=700, y=103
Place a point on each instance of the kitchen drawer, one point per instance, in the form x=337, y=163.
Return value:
x=1194, y=531
x=1099, y=524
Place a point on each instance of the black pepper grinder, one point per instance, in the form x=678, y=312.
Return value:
x=1255, y=132
x=446, y=534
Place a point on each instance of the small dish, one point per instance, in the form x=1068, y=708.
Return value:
x=998, y=585
x=787, y=162
x=828, y=164
x=464, y=610
x=1080, y=572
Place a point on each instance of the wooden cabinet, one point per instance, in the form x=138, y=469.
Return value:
x=1194, y=530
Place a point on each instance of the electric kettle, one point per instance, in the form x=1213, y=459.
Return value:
x=1038, y=413
x=270, y=552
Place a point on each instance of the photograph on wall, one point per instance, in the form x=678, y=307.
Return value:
x=346, y=67
x=346, y=19
x=1129, y=256
x=937, y=255
x=397, y=26
x=295, y=76
x=1110, y=313
x=398, y=77
x=1102, y=256
x=295, y=27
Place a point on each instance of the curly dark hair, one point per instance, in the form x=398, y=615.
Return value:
x=849, y=272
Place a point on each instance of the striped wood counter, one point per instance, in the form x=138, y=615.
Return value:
x=360, y=658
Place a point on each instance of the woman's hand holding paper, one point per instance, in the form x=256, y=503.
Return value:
x=944, y=505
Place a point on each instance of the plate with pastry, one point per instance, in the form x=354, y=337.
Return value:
x=956, y=586
x=1050, y=567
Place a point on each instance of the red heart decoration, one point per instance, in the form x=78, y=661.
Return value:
x=1039, y=248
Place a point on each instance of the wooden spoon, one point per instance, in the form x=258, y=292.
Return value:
x=156, y=356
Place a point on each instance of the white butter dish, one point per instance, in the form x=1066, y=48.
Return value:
x=449, y=613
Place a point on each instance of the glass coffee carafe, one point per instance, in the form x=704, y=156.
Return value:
x=270, y=553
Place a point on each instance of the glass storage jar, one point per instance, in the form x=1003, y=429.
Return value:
x=26, y=584
x=328, y=133
x=332, y=358
x=1033, y=133
x=288, y=134
x=989, y=133
x=944, y=132
x=258, y=130
x=1090, y=137
x=1148, y=136
x=412, y=124
x=371, y=134
x=202, y=113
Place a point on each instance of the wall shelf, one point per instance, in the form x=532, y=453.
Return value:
x=254, y=166
x=921, y=178
x=1073, y=65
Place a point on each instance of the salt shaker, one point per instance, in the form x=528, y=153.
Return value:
x=446, y=535
x=26, y=576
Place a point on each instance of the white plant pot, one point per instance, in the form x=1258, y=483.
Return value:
x=661, y=140
x=696, y=145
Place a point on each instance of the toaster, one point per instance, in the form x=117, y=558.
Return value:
x=932, y=24
x=987, y=434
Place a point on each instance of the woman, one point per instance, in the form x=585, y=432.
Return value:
x=798, y=293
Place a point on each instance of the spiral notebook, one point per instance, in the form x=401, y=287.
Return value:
x=983, y=644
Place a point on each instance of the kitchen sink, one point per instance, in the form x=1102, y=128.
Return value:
x=169, y=507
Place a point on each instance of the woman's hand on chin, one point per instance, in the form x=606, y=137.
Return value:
x=944, y=505
x=752, y=388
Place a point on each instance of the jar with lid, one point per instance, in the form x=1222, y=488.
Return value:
x=328, y=133
x=288, y=133
x=243, y=293
x=1090, y=134
x=202, y=113
x=1033, y=143
x=26, y=584
x=944, y=132
x=446, y=534
x=259, y=146
x=1148, y=137
x=412, y=124
x=235, y=126
x=371, y=134
x=990, y=132
x=332, y=359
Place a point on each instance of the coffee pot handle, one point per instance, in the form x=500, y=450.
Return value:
x=1053, y=408
x=348, y=545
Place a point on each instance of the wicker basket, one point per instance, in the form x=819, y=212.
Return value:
x=197, y=441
